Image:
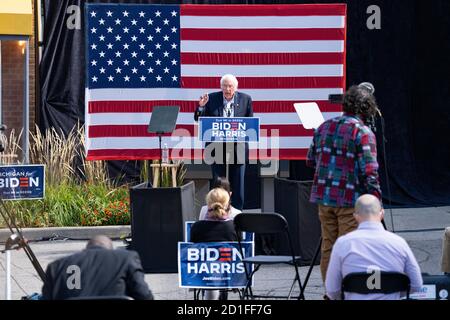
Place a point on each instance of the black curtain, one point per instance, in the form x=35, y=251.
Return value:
x=62, y=75
x=406, y=61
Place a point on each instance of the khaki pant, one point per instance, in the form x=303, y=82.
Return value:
x=335, y=222
x=445, y=261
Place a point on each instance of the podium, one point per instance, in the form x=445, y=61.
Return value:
x=230, y=132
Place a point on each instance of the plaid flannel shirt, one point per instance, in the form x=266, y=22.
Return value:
x=344, y=154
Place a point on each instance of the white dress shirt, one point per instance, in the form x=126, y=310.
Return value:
x=370, y=247
x=228, y=108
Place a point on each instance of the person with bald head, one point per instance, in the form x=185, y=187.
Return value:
x=370, y=247
x=99, y=270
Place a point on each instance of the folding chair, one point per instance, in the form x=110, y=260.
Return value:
x=266, y=223
x=390, y=282
x=199, y=294
x=101, y=298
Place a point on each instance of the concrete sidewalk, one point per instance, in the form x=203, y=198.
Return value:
x=425, y=243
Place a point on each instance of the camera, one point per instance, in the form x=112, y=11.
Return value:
x=336, y=98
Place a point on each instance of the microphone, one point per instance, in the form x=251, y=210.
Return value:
x=3, y=127
x=227, y=109
x=230, y=110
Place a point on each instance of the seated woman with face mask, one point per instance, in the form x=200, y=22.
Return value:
x=220, y=182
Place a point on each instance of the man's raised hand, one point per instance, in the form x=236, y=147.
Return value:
x=203, y=100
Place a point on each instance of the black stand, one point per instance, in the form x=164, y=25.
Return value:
x=163, y=121
x=10, y=222
x=383, y=143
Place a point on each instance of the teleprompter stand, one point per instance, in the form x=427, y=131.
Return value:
x=163, y=121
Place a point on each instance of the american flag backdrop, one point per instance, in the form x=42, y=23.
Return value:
x=140, y=56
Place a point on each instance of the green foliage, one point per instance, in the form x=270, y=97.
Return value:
x=107, y=208
x=76, y=194
x=74, y=205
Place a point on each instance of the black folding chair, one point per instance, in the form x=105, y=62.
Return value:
x=266, y=223
x=101, y=298
x=390, y=282
x=199, y=294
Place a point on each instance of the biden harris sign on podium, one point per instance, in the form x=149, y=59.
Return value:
x=238, y=129
x=19, y=182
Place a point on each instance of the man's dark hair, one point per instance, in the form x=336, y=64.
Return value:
x=359, y=101
x=221, y=182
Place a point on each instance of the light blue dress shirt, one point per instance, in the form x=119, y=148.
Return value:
x=370, y=247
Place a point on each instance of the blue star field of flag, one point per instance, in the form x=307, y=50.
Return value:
x=133, y=46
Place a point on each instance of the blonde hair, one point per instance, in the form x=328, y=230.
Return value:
x=218, y=201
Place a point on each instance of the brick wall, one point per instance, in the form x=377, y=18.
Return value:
x=12, y=84
x=12, y=69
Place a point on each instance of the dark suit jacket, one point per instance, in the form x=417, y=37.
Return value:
x=214, y=108
x=213, y=231
x=103, y=272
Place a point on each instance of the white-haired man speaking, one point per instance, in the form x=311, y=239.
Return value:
x=370, y=247
x=227, y=103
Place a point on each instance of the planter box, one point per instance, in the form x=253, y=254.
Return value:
x=292, y=201
x=157, y=223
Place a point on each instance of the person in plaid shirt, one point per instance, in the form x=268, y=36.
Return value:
x=344, y=155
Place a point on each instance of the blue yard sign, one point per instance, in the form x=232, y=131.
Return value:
x=209, y=265
x=239, y=129
x=18, y=182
